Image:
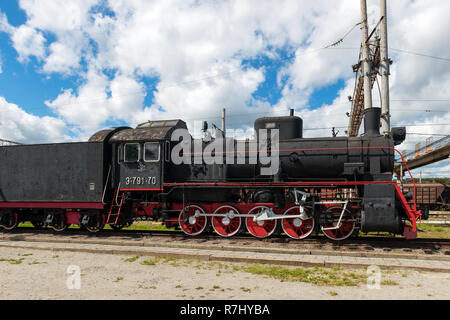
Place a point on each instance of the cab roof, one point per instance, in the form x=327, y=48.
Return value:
x=148, y=131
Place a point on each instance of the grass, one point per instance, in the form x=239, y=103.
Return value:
x=151, y=262
x=132, y=259
x=174, y=262
x=145, y=287
x=317, y=276
x=118, y=279
x=37, y=262
x=139, y=225
x=332, y=293
x=145, y=225
x=433, y=231
x=423, y=231
x=13, y=261
x=389, y=282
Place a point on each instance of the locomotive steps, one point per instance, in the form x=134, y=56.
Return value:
x=230, y=253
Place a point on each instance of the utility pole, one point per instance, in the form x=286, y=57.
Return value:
x=366, y=69
x=384, y=63
x=223, y=122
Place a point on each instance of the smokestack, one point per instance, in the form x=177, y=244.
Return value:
x=372, y=121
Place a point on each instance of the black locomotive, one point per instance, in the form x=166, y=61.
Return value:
x=336, y=185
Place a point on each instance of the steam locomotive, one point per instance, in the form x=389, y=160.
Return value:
x=337, y=185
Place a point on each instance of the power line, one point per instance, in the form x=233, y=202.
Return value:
x=421, y=54
x=182, y=83
x=432, y=100
x=422, y=125
x=427, y=134
x=342, y=39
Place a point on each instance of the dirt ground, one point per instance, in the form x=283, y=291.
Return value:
x=42, y=274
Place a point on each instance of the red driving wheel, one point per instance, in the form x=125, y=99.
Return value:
x=227, y=225
x=346, y=227
x=191, y=224
x=262, y=228
x=297, y=228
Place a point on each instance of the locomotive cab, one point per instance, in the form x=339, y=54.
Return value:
x=139, y=165
x=141, y=155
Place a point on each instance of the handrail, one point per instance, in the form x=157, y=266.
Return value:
x=106, y=185
x=438, y=143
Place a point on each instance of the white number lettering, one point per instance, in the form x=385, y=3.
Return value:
x=140, y=180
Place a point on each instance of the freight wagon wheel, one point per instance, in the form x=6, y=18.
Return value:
x=228, y=225
x=260, y=229
x=297, y=228
x=59, y=223
x=60, y=227
x=10, y=220
x=189, y=223
x=96, y=223
x=347, y=224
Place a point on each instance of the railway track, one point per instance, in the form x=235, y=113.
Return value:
x=365, y=244
x=391, y=254
x=438, y=218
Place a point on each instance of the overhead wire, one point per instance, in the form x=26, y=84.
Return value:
x=420, y=54
x=295, y=54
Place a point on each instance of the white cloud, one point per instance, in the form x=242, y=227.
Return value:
x=441, y=169
x=85, y=109
x=28, y=42
x=4, y=24
x=57, y=15
x=113, y=53
x=66, y=21
x=17, y=125
x=62, y=59
x=99, y=99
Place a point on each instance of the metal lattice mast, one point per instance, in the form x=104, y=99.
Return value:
x=367, y=68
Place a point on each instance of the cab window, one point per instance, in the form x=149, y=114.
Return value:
x=151, y=152
x=131, y=152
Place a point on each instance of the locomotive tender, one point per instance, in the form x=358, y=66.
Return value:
x=336, y=185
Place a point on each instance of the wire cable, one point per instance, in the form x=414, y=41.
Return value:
x=420, y=54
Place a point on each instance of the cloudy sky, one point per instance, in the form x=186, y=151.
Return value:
x=69, y=68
